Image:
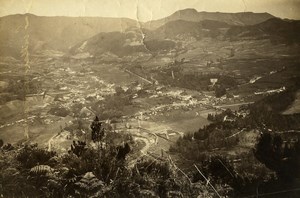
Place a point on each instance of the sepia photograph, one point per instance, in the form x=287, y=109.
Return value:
x=149, y=98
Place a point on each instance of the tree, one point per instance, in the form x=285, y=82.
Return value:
x=78, y=148
x=97, y=130
x=119, y=90
x=210, y=117
x=220, y=91
x=1, y=143
x=278, y=156
x=123, y=151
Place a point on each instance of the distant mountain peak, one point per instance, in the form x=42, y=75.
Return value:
x=22, y=15
x=190, y=14
x=187, y=10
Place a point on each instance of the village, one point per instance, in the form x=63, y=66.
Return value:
x=67, y=95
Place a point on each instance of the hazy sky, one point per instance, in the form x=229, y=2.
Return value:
x=145, y=10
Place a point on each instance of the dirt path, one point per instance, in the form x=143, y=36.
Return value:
x=148, y=143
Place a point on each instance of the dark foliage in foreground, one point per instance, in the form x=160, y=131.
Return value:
x=31, y=156
x=98, y=169
x=269, y=159
x=94, y=172
x=281, y=156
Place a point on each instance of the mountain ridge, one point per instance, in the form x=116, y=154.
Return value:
x=240, y=18
x=275, y=29
x=55, y=33
x=62, y=33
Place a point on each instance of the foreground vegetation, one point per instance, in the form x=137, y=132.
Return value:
x=95, y=168
x=255, y=146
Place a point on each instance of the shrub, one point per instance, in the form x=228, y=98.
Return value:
x=31, y=156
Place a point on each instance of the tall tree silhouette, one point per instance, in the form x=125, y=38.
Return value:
x=97, y=130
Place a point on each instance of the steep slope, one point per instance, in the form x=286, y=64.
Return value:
x=185, y=29
x=277, y=30
x=57, y=33
x=136, y=40
x=243, y=18
x=120, y=44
